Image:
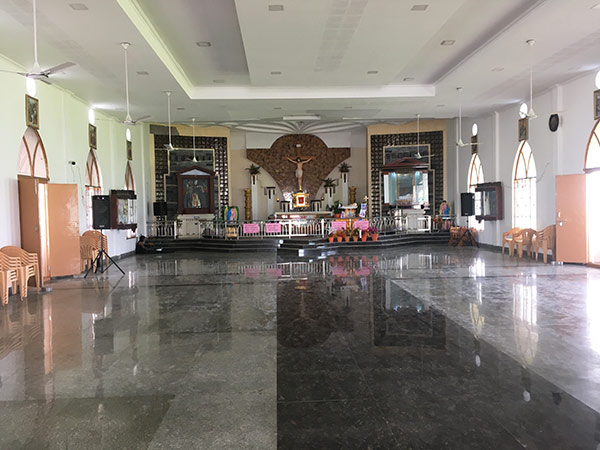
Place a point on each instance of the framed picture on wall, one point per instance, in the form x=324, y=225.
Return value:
x=32, y=112
x=92, y=136
x=523, y=129
x=129, y=151
x=597, y=104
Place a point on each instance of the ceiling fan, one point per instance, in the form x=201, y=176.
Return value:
x=460, y=142
x=531, y=113
x=169, y=146
x=128, y=120
x=418, y=155
x=36, y=72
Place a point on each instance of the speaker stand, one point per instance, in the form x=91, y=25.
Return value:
x=468, y=235
x=99, y=260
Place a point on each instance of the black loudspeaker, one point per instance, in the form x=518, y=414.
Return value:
x=467, y=204
x=101, y=212
x=160, y=208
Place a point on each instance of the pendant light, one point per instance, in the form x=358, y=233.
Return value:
x=169, y=146
x=194, y=138
x=531, y=113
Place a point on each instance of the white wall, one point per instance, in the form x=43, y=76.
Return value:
x=558, y=153
x=64, y=131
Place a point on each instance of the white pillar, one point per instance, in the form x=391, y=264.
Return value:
x=270, y=193
x=345, y=188
x=254, y=196
x=329, y=194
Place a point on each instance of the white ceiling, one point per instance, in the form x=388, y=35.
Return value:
x=324, y=50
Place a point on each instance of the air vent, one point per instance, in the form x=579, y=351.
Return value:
x=275, y=7
x=78, y=6
x=419, y=7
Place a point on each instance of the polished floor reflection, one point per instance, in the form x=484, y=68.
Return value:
x=426, y=348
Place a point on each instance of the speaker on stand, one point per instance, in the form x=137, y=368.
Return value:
x=467, y=209
x=101, y=221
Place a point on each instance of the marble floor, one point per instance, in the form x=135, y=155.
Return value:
x=423, y=348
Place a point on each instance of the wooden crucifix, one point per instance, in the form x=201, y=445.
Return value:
x=299, y=164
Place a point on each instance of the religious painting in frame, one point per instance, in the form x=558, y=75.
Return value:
x=523, y=129
x=129, y=151
x=32, y=112
x=597, y=104
x=195, y=191
x=92, y=137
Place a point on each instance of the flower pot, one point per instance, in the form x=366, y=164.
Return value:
x=355, y=238
x=337, y=215
x=339, y=238
x=347, y=238
x=364, y=237
x=374, y=237
x=330, y=238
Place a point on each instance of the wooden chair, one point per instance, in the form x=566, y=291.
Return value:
x=9, y=276
x=524, y=238
x=92, y=237
x=546, y=240
x=454, y=235
x=509, y=238
x=29, y=266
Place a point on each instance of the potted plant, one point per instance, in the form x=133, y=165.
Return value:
x=331, y=236
x=373, y=233
x=355, y=233
x=347, y=234
x=328, y=183
x=344, y=167
x=339, y=234
x=336, y=208
x=253, y=170
x=364, y=235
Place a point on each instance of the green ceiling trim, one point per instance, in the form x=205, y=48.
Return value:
x=144, y=25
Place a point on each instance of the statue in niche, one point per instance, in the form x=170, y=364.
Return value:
x=299, y=164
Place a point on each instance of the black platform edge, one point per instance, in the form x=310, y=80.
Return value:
x=384, y=242
x=216, y=245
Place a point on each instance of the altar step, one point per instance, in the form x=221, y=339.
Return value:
x=307, y=245
x=216, y=245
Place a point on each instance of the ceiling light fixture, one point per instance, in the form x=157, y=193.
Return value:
x=180, y=109
x=275, y=7
x=419, y=7
x=276, y=72
x=372, y=72
x=303, y=117
x=78, y=6
x=531, y=114
x=142, y=72
x=447, y=42
x=497, y=69
x=203, y=44
x=408, y=79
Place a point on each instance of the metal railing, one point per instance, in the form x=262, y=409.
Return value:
x=189, y=228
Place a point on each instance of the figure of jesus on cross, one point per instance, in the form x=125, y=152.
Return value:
x=299, y=163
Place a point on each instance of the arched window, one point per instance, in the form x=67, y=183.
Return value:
x=32, y=156
x=592, y=168
x=524, y=188
x=475, y=178
x=592, y=155
x=93, y=184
